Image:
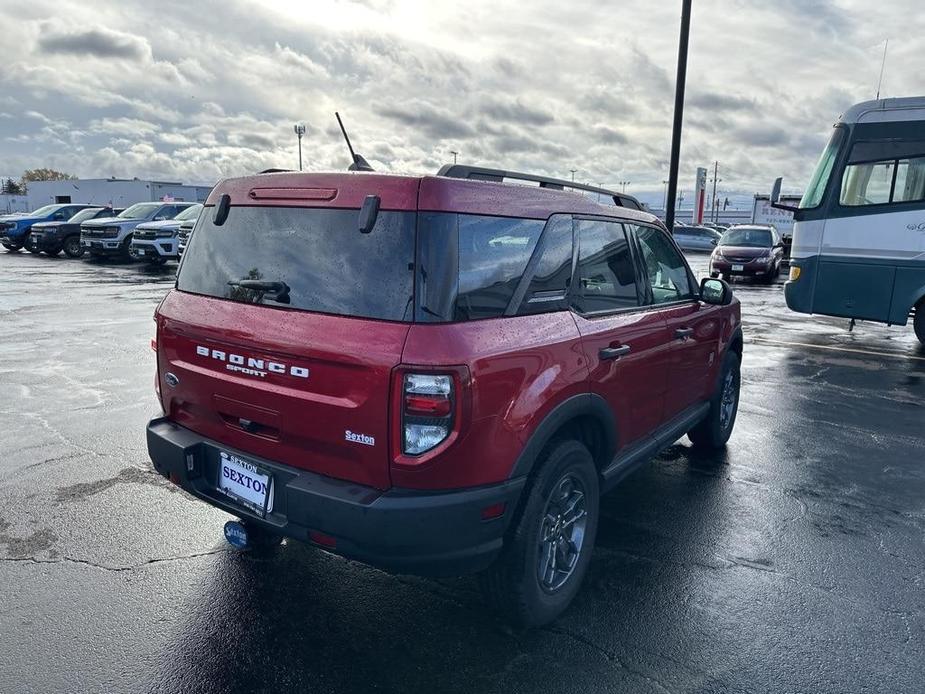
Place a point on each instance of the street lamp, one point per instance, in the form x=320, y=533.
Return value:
x=665, y=183
x=624, y=184
x=455, y=154
x=299, y=131
x=573, y=174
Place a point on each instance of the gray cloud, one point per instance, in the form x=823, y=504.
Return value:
x=152, y=89
x=98, y=42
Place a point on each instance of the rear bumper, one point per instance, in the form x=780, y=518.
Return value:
x=401, y=530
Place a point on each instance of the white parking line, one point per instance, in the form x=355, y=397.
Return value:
x=832, y=348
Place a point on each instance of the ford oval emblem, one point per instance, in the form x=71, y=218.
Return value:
x=171, y=380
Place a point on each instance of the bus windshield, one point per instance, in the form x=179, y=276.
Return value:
x=816, y=188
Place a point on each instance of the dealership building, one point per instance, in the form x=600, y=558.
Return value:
x=115, y=192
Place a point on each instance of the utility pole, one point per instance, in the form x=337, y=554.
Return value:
x=716, y=179
x=680, y=84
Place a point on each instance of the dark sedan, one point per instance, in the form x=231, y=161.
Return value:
x=749, y=251
x=54, y=237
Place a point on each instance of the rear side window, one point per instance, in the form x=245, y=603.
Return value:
x=317, y=256
x=553, y=271
x=470, y=265
x=606, y=272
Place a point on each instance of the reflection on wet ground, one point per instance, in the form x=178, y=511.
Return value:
x=793, y=561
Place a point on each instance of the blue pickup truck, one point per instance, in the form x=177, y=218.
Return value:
x=15, y=228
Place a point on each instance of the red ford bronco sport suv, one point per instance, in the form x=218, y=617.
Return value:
x=435, y=375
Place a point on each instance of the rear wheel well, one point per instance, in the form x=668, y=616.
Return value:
x=589, y=431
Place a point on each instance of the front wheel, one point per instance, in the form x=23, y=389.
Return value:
x=548, y=547
x=72, y=247
x=716, y=428
x=919, y=322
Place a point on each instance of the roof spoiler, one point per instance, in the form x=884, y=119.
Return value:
x=478, y=173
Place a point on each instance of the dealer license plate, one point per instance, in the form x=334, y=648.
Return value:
x=738, y=268
x=245, y=483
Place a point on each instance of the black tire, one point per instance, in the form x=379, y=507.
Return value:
x=72, y=247
x=512, y=585
x=125, y=250
x=31, y=247
x=10, y=248
x=716, y=428
x=158, y=260
x=919, y=323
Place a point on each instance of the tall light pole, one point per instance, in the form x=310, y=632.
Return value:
x=299, y=131
x=678, y=110
x=573, y=174
x=455, y=154
x=624, y=184
x=665, y=206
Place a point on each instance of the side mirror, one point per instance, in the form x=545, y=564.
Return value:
x=715, y=291
x=775, y=190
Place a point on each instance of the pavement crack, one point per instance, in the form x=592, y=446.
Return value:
x=106, y=567
x=607, y=654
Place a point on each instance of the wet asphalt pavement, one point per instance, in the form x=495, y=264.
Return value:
x=792, y=562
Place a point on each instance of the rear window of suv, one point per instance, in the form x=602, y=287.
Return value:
x=321, y=257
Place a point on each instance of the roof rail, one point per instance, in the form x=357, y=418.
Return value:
x=479, y=173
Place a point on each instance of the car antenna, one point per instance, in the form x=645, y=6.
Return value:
x=358, y=162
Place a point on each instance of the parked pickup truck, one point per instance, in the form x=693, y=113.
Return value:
x=15, y=228
x=157, y=242
x=112, y=236
x=53, y=237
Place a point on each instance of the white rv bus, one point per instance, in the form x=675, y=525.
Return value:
x=859, y=231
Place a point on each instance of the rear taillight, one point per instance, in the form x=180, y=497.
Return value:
x=427, y=411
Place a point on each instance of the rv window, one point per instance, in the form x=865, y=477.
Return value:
x=867, y=184
x=817, y=184
x=883, y=182
x=910, y=181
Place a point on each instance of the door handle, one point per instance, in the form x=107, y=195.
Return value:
x=683, y=333
x=614, y=352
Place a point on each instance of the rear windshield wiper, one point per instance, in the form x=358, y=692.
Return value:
x=260, y=288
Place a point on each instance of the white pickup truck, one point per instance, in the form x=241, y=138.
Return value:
x=112, y=236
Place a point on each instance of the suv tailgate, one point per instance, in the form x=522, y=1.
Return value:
x=283, y=385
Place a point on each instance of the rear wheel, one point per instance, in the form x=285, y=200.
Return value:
x=716, y=428
x=548, y=547
x=919, y=322
x=72, y=247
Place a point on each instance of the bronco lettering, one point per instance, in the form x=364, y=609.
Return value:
x=255, y=367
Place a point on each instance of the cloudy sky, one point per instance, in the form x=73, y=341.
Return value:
x=195, y=91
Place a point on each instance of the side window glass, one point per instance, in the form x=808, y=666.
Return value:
x=665, y=267
x=493, y=253
x=867, y=184
x=606, y=272
x=910, y=180
x=549, y=284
